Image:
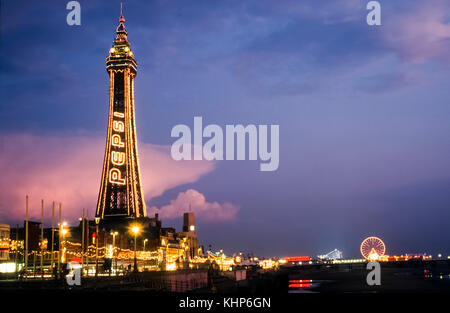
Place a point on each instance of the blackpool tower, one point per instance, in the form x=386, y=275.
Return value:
x=120, y=194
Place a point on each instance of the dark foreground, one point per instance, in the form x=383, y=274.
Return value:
x=293, y=286
x=396, y=277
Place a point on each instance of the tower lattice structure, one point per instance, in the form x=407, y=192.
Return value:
x=121, y=188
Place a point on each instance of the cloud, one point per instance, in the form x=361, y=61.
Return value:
x=211, y=211
x=67, y=169
x=420, y=34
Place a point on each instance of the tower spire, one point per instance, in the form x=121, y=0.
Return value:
x=121, y=32
x=121, y=19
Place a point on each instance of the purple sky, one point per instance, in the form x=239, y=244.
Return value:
x=364, y=117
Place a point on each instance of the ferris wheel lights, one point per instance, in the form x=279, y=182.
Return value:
x=372, y=248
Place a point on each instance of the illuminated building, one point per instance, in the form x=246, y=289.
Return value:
x=332, y=255
x=224, y=262
x=4, y=241
x=295, y=260
x=267, y=264
x=173, y=249
x=120, y=192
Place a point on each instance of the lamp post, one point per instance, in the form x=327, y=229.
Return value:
x=62, y=244
x=58, y=272
x=145, y=241
x=135, y=230
x=114, y=234
x=53, y=236
x=82, y=241
x=42, y=239
x=97, y=221
x=63, y=233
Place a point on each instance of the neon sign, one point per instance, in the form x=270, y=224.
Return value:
x=118, y=126
x=116, y=141
x=118, y=158
x=115, y=177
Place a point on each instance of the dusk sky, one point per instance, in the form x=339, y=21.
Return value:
x=363, y=111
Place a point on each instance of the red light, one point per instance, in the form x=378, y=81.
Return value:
x=299, y=285
x=297, y=258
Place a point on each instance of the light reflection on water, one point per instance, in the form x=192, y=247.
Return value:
x=302, y=285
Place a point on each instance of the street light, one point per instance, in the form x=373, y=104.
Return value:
x=63, y=232
x=114, y=234
x=135, y=229
x=97, y=237
x=145, y=241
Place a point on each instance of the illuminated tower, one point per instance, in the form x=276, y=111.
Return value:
x=121, y=189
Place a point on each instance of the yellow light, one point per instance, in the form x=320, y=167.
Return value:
x=135, y=229
x=110, y=251
x=7, y=267
x=63, y=231
x=172, y=266
x=112, y=50
x=126, y=49
x=63, y=255
x=373, y=255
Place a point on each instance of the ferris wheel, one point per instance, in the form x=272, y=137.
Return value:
x=372, y=248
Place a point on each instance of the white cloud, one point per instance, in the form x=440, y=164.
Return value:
x=194, y=200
